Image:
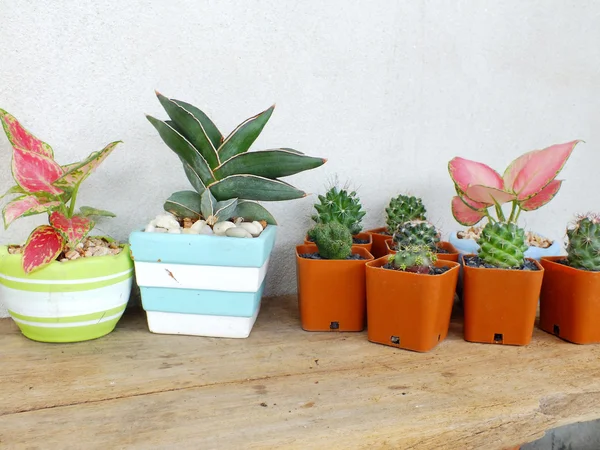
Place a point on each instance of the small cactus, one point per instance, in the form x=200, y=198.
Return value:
x=417, y=232
x=415, y=258
x=502, y=245
x=583, y=248
x=403, y=209
x=340, y=206
x=333, y=240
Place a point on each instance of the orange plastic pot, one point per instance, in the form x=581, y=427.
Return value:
x=500, y=305
x=452, y=254
x=331, y=293
x=361, y=236
x=570, y=302
x=379, y=237
x=408, y=310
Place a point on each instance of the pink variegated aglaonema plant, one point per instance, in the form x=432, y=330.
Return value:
x=44, y=186
x=529, y=182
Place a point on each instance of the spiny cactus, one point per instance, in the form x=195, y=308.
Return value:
x=414, y=258
x=340, y=206
x=403, y=209
x=416, y=232
x=333, y=240
x=502, y=245
x=584, y=243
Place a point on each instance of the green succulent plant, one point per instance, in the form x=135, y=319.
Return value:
x=583, y=249
x=337, y=205
x=417, y=232
x=224, y=166
x=404, y=208
x=333, y=240
x=502, y=245
x=414, y=258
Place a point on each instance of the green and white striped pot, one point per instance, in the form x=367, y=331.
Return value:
x=66, y=301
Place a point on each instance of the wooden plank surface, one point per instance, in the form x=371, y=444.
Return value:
x=286, y=388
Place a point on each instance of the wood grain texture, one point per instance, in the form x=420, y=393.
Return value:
x=287, y=388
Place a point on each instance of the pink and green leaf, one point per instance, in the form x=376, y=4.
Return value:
x=541, y=168
x=542, y=197
x=465, y=172
x=35, y=172
x=73, y=229
x=78, y=172
x=513, y=169
x=464, y=214
x=20, y=137
x=488, y=195
x=477, y=206
x=26, y=205
x=42, y=247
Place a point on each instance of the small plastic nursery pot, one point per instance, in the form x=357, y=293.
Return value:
x=68, y=301
x=500, y=305
x=331, y=293
x=570, y=302
x=452, y=254
x=201, y=285
x=470, y=246
x=363, y=236
x=408, y=310
x=380, y=235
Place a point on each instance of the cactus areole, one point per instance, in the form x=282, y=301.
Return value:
x=236, y=178
x=528, y=183
x=44, y=186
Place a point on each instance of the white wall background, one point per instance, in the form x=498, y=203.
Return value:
x=387, y=91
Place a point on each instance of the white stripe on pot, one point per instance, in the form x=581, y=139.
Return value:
x=78, y=281
x=68, y=324
x=65, y=304
x=210, y=278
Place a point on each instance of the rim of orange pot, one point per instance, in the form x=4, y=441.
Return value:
x=312, y=248
x=379, y=262
x=466, y=266
x=553, y=260
x=378, y=231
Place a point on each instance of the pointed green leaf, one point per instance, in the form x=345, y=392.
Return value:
x=184, y=149
x=184, y=204
x=193, y=177
x=14, y=190
x=251, y=210
x=86, y=211
x=240, y=139
x=208, y=203
x=268, y=163
x=226, y=209
x=212, y=131
x=191, y=128
x=252, y=187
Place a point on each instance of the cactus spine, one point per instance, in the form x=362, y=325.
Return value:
x=342, y=207
x=403, y=209
x=414, y=258
x=333, y=240
x=583, y=248
x=416, y=232
x=502, y=245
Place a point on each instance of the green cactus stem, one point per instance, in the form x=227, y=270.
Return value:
x=333, y=240
x=414, y=258
x=342, y=207
x=403, y=209
x=583, y=248
x=416, y=232
x=502, y=245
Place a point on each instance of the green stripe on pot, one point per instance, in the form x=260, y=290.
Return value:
x=70, y=319
x=25, y=284
x=82, y=268
x=68, y=334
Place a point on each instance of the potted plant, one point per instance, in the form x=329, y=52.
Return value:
x=421, y=232
x=339, y=205
x=331, y=280
x=569, y=302
x=409, y=298
x=201, y=266
x=61, y=285
x=501, y=286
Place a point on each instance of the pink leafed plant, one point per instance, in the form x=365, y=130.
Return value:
x=44, y=186
x=529, y=182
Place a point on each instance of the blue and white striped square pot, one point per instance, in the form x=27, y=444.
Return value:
x=201, y=285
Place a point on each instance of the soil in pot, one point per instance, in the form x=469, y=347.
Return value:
x=318, y=256
x=570, y=301
x=408, y=310
x=500, y=305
